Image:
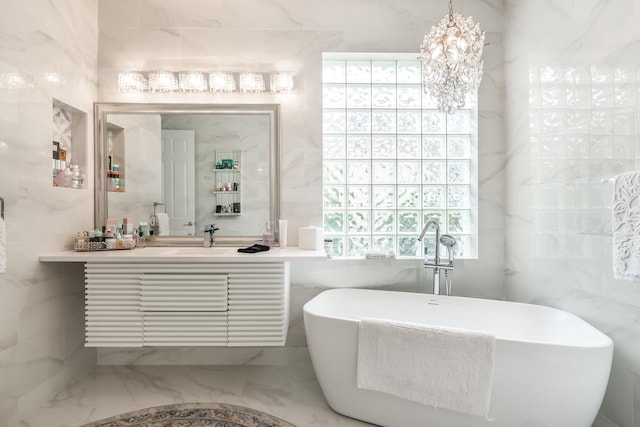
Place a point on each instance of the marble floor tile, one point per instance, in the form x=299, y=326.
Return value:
x=290, y=392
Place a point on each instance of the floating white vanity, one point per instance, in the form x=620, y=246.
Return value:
x=186, y=296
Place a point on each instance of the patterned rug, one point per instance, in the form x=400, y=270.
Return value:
x=193, y=415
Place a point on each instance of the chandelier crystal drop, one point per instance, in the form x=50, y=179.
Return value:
x=451, y=56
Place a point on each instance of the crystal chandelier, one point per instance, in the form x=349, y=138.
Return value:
x=451, y=56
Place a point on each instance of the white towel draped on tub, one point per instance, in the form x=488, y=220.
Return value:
x=440, y=367
x=3, y=246
x=626, y=226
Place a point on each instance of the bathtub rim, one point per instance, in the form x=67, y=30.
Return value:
x=603, y=342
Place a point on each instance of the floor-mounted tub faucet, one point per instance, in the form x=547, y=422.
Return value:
x=424, y=231
x=449, y=242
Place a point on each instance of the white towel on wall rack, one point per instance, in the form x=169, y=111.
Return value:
x=625, y=221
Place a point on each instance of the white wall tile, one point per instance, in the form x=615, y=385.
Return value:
x=38, y=37
x=558, y=242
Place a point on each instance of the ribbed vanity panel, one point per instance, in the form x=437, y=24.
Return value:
x=185, y=329
x=186, y=304
x=184, y=292
x=112, y=309
x=259, y=305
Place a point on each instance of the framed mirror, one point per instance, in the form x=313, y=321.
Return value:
x=182, y=167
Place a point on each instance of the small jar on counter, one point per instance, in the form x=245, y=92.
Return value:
x=328, y=247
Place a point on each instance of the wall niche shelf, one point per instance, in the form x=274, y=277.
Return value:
x=227, y=188
x=69, y=146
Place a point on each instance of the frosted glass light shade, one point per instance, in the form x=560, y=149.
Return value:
x=192, y=81
x=221, y=81
x=132, y=82
x=251, y=83
x=281, y=81
x=162, y=81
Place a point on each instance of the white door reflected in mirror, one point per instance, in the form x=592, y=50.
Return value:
x=178, y=180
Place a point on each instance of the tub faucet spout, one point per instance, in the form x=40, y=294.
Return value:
x=435, y=265
x=429, y=223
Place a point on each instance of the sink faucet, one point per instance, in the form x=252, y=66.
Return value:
x=209, y=240
x=436, y=265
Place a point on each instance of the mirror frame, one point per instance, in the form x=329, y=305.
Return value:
x=102, y=109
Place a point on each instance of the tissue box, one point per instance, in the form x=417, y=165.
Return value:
x=310, y=238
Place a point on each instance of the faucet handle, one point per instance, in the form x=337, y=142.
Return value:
x=211, y=228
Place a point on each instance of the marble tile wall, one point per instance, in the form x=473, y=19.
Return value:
x=41, y=312
x=572, y=79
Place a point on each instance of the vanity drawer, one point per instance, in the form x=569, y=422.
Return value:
x=184, y=292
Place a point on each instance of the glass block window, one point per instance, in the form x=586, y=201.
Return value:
x=392, y=161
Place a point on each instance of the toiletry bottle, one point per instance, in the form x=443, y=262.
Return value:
x=282, y=233
x=142, y=239
x=328, y=247
x=267, y=236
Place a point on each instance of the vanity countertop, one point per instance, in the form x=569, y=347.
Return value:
x=186, y=254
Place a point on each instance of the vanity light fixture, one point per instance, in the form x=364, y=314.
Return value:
x=221, y=81
x=281, y=81
x=451, y=56
x=192, y=81
x=198, y=81
x=251, y=82
x=162, y=81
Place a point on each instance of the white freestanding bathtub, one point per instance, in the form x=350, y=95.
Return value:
x=550, y=368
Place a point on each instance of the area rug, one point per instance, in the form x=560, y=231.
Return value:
x=193, y=415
